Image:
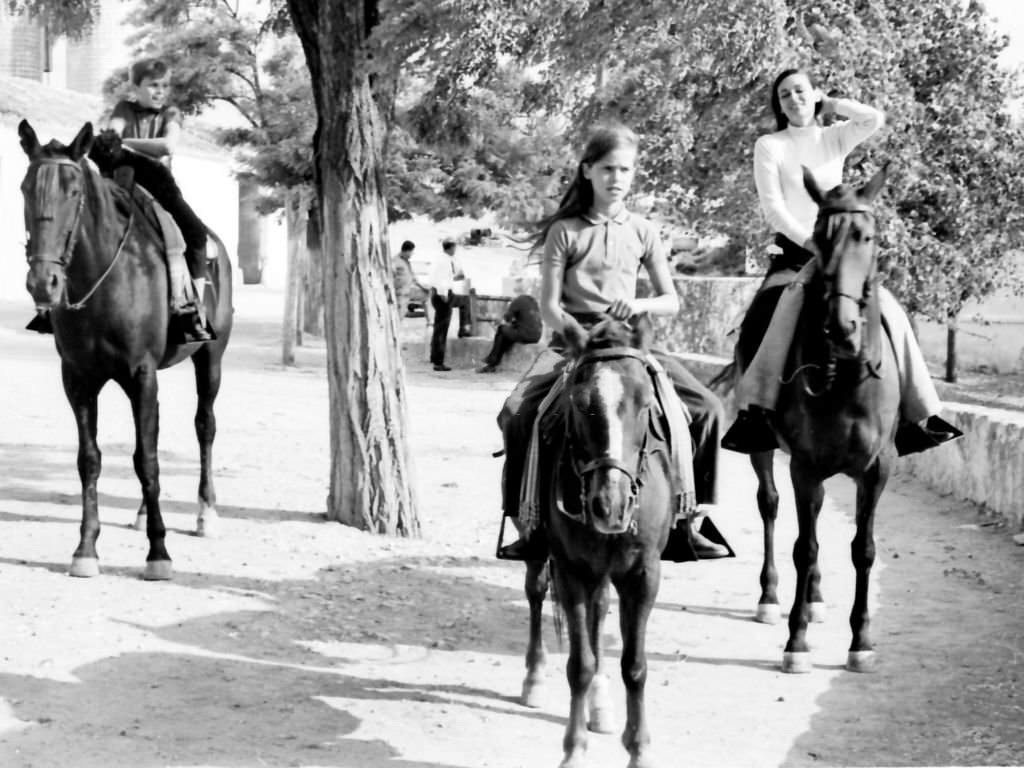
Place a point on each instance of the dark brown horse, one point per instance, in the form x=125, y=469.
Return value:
x=607, y=489
x=96, y=262
x=837, y=414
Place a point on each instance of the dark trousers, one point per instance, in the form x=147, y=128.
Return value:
x=706, y=413
x=442, y=320
x=156, y=179
x=505, y=336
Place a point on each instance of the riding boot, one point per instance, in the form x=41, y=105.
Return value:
x=527, y=548
x=750, y=433
x=41, y=322
x=912, y=437
x=705, y=548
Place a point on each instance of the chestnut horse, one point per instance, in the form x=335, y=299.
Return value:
x=607, y=489
x=96, y=262
x=837, y=413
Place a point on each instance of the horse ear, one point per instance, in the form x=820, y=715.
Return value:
x=80, y=146
x=811, y=185
x=874, y=185
x=643, y=331
x=575, y=336
x=29, y=140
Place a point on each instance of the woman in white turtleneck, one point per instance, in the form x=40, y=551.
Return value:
x=801, y=141
x=779, y=159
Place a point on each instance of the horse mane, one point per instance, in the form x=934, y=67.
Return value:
x=610, y=333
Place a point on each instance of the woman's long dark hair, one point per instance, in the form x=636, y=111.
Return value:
x=781, y=121
x=579, y=197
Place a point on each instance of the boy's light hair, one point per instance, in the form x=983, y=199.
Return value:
x=153, y=68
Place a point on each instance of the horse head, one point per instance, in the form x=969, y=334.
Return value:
x=54, y=191
x=845, y=236
x=610, y=397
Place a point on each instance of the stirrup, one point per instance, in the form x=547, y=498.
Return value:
x=526, y=548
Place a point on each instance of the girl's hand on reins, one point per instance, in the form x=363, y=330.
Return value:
x=620, y=309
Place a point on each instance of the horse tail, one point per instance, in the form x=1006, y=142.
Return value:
x=557, y=613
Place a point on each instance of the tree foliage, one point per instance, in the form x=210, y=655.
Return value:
x=693, y=79
x=491, y=98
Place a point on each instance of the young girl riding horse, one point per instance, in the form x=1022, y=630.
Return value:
x=594, y=248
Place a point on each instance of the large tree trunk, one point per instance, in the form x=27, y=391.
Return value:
x=371, y=483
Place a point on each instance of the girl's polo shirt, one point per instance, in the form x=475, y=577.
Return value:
x=600, y=260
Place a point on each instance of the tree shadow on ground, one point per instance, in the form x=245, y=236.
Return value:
x=252, y=685
x=156, y=709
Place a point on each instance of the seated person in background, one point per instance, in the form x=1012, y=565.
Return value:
x=405, y=278
x=522, y=323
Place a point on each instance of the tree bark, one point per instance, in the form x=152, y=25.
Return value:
x=313, y=283
x=371, y=478
x=951, y=361
x=291, y=329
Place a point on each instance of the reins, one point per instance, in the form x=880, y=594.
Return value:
x=827, y=271
x=64, y=260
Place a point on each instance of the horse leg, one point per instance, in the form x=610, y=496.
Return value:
x=536, y=655
x=142, y=391
x=575, y=597
x=768, y=505
x=601, y=714
x=207, y=367
x=870, y=485
x=637, y=592
x=810, y=493
x=82, y=394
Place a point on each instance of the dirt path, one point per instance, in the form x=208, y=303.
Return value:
x=290, y=641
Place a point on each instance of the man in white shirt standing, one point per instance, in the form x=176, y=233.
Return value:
x=449, y=288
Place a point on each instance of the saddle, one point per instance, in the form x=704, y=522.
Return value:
x=179, y=279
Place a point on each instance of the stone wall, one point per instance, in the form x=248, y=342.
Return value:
x=985, y=466
x=711, y=308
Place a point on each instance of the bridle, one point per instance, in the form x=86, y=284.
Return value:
x=828, y=270
x=582, y=467
x=63, y=261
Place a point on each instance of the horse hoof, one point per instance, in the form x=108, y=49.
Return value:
x=816, y=613
x=208, y=525
x=533, y=694
x=140, y=522
x=575, y=760
x=860, y=661
x=640, y=761
x=157, y=570
x=84, y=567
x=768, y=613
x=602, y=720
x=796, y=662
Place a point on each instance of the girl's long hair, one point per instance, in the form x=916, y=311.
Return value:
x=579, y=197
x=781, y=121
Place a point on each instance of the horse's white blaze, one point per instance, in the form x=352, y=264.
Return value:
x=609, y=394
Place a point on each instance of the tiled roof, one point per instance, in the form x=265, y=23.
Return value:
x=58, y=108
